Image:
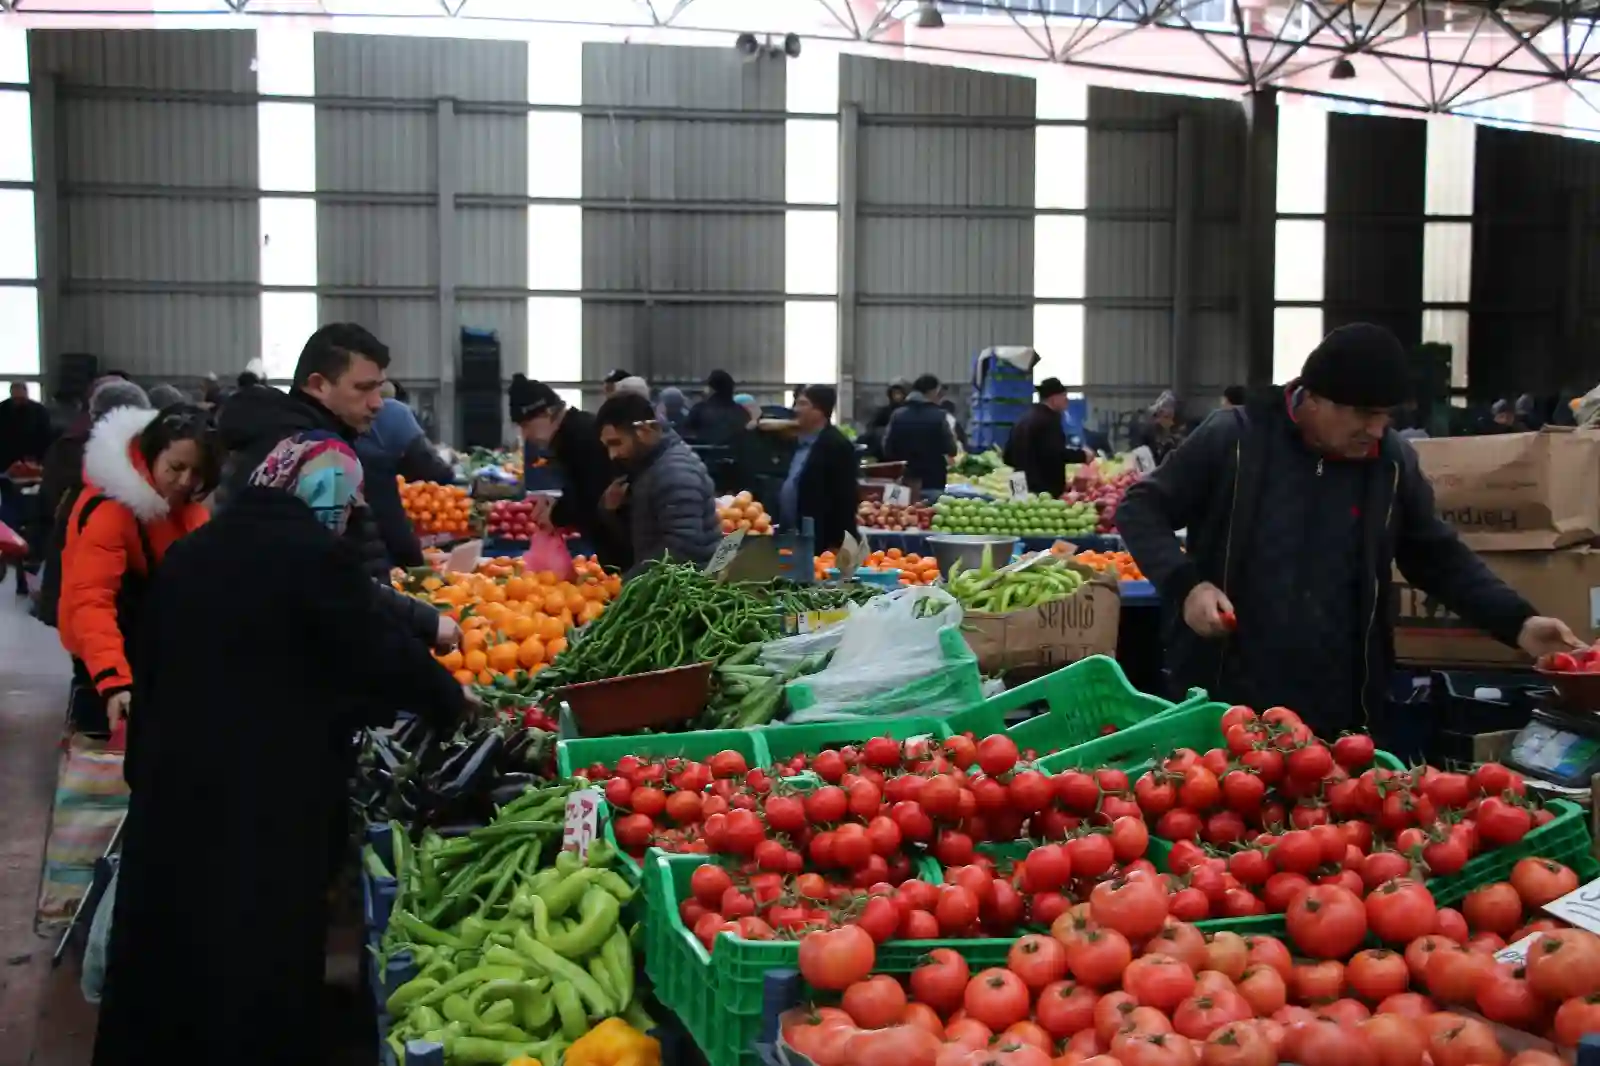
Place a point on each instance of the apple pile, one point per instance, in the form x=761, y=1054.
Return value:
x=510, y=520
x=873, y=515
x=1104, y=493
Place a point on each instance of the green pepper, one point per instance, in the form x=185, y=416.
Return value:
x=501, y=1031
x=619, y=956
x=508, y=958
x=472, y=978
x=425, y=1019
x=539, y=911
x=562, y=895
x=407, y=994
x=601, y=854
x=479, y=1051
x=456, y=1010
x=561, y=971
x=501, y=1010
x=539, y=1010
x=613, y=883
x=573, y=1022
x=597, y=917
x=600, y=970
x=421, y=932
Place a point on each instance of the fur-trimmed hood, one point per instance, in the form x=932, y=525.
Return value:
x=112, y=464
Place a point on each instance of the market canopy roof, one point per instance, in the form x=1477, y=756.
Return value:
x=1534, y=62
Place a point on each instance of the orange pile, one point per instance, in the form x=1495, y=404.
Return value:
x=744, y=512
x=513, y=620
x=1122, y=562
x=436, y=508
x=914, y=569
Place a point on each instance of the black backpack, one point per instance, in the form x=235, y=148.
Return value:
x=48, y=609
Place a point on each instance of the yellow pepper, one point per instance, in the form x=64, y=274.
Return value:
x=524, y=1060
x=614, y=1043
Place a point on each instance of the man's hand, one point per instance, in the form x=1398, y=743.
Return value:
x=615, y=493
x=1546, y=636
x=1204, y=608
x=448, y=635
x=117, y=707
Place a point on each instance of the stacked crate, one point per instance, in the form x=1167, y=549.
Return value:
x=1001, y=395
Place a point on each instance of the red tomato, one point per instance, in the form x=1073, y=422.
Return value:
x=1377, y=974
x=1450, y=923
x=1239, y=1044
x=1565, y=965
x=1494, y=908
x=1500, y=823
x=1158, y=1049
x=1466, y=1042
x=1091, y=855
x=1271, y=951
x=996, y=997
x=1345, y=1011
x=1454, y=974
x=837, y=958
x=1400, y=911
x=1135, y=909
x=1326, y=921
x=1413, y=1005
x=997, y=754
x=1264, y=989
x=1158, y=981
x=1577, y=1017
x=1281, y=890
x=1228, y=954
x=1065, y=1008
x=1038, y=960
x=1183, y=942
x=941, y=981
x=708, y=883
x=1201, y=1015
x=1506, y=998
x=1099, y=957
x=1297, y=852
x=1130, y=839
x=1322, y=1042
x=1353, y=751
x=897, y=1045
x=1111, y=1013
x=876, y=1002
x=1395, y=1039
x=1539, y=881
x=1317, y=982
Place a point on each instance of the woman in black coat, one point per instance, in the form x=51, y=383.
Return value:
x=263, y=648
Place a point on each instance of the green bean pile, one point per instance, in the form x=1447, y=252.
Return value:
x=672, y=615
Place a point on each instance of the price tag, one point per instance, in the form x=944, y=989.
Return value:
x=1517, y=954
x=463, y=558
x=897, y=495
x=848, y=558
x=1580, y=907
x=583, y=821
x=1018, y=483
x=725, y=552
x=812, y=621
x=1143, y=458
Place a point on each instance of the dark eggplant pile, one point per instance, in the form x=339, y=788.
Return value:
x=413, y=776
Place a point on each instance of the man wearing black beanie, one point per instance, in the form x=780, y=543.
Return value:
x=1297, y=509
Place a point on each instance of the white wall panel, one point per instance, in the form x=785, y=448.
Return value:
x=410, y=327
x=492, y=154
x=901, y=342
x=492, y=247
x=375, y=151
x=376, y=245
x=156, y=337
x=421, y=68
x=148, y=240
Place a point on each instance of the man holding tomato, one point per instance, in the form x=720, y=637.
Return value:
x=1297, y=509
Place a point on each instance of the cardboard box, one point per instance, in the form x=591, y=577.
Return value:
x=1052, y=634
x=1517, y=491
x=1563, y=584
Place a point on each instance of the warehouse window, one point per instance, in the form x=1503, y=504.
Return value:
x=811, y=81
x=1449, y=327
x=19, y=310
x=285, y=62
x=811, y=342
x=811, y=253
x=287, y=319
x=555, y=247
x=288, y=241
x=16, y=137
x=555, y=332
x=1295, y=331
x=811, y=161
x=1302, y=159
x=1447, y=246
x=287, y=140
x=1298, y=264
x=1446, y=262
x=18, y=261
x=1058, y=246
x=1058, y=338
x=555, y=155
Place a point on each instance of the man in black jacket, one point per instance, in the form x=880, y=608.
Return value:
x=823, y=474
x=920, y=436
x=1038, y=442
x=573, y=440
x=337, y=389
x=1297, y=509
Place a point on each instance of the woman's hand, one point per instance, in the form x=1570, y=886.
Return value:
x=117, y=707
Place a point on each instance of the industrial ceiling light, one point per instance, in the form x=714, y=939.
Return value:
x=928, y=16
x=1343, y=70
x=747, y=45
x=791, y=45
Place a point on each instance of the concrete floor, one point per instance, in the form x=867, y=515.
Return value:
x=44, y=1020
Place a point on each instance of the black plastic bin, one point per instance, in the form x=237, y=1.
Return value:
x=1460, y=713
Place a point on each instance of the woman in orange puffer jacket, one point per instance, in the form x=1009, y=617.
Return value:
x=143, y=473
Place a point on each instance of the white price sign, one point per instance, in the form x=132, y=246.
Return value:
x=897, y=495
x=1580, y=907
x=582, y=822
x=463, y=558
x=1018, y=481
x=1144, y=460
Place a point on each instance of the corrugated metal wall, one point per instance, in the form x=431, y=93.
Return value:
x=683, y=223
x=1164, y=250
x=154, y=136
x=1535, y=271
x=944, y=247
x=1372, y=263
x=401, y=111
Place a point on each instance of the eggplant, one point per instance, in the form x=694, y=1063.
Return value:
x=510, y=786
x=470, y=768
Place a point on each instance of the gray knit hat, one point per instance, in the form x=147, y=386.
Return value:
x=113, y=393
x=164, y=395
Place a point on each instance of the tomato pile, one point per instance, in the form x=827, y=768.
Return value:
x=1106, y=988
x=1582, y=661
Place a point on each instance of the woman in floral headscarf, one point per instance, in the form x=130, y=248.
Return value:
x=262, y=649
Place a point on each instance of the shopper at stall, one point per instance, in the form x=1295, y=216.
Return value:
x=395, y=446
x=672, y=505
x=24, y=427
x=608, y=387
x=919, y=435
x=673, y=408
x=573, y=440
x=237, y=741
x=1297, y=508
x=1038, y=444
x=1233, y=396
x=872, y=436
x=823, y=474
x=143, y=475
x=1157, y=429
x=719, y=417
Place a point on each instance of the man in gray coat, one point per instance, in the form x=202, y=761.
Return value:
x=673, y=511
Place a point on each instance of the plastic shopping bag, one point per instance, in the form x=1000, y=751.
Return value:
x=94, y=951
x=547, y=551
x=899, y=655
x=12, y=546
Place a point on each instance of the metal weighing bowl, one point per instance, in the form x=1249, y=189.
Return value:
x=970, y=549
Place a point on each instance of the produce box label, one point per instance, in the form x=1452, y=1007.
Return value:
x=1516, y=491
x=1564, y=584
x=1051, y=634
x=582, y=821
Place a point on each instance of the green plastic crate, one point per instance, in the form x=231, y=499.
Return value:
x=955, y=683
x=1564, y=838
x=718, y=994
x=574, y=755
x=1083, y=699
x=784, y=742
x=1198, y=727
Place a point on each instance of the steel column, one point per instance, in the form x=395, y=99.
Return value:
x=1258, y=218
x=446, y=163
x=849, y=211
x=49, y=223
x=1185, y=178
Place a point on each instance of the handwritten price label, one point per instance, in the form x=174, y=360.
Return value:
x=1018, y=483
x=897, y=495
x=582, y=822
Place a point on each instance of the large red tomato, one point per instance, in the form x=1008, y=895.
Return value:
x=1375, y=975
x=1158, y=1049
x=1159, y=981
x=1395, y=1040
x=1135, y=909
x=1565, y=965
x=1494, y=908
x=1264, y=989
x=1065, y=1008
x=941, y=981
x=837, y=958
x=876, y=1002
x=1038, y=960
x=1577, y=1017
x=1099, y=957
x=1183, y=942
x=1465, y=1042
x=1199, y=1016
x=997, y=998
x=1538, y=881
x=898, y=1045
x=1323, y=1042
x=1400, y=911
x=1506, y=998
x=1455, y=974
x=1327, y=922
x=1270, y=951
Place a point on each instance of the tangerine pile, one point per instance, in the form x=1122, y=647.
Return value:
x=435, y=509
x=514, y=620
x=1119, y=563
x=745, y=512
x=914, y=569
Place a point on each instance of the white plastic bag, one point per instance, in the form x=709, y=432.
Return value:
x=94, y=951
x=888, y=643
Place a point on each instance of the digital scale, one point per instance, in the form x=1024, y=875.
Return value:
x=1560, y=746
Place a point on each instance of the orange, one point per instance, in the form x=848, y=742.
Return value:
x=451, y=661
x=545, y=577
x=474, y=639
x=521, y=628
x=590, y=611
x=475, y=661
x=555, y=647
x=485, y=677
x=550, y=627
x=465, y=677
x=530, y=653
x=575, y=601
